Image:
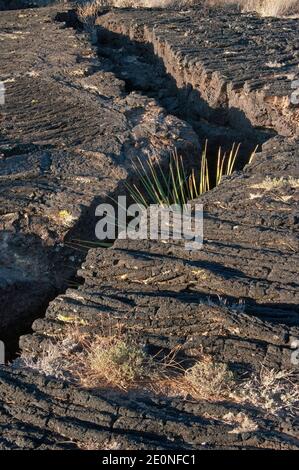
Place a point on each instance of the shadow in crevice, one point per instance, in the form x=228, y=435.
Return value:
x=36, y=262
x=143, y=71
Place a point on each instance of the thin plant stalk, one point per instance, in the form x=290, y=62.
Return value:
x=179, y=188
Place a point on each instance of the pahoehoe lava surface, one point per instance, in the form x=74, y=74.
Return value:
x=70, y=130
x=233, y=69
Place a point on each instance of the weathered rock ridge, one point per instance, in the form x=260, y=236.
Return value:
x=233, y=69
x=69, y=134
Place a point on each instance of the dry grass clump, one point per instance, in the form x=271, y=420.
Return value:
x=207, y=379
x=58, y=356
x=273, y=391
x=87, y=11
x=242, y=422
x=121, y=363
x=116, y=362
x=272, y=7
x=263, y=7
x=268, y=184
x=51, y=361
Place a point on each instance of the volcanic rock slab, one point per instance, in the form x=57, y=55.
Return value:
x=69, y=134
x=232, y=68
x=168, y=297
x=165, y=290
x=48, y=414
x=236, y=299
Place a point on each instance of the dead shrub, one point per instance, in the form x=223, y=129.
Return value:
x=273, y=391
x=269, y=184
x=263, y=7
x=51, y=361
x=87, y=12
x=241, y=421
x=208, y=379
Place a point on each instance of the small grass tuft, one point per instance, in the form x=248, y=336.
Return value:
x=208, y=379
x=116, y=362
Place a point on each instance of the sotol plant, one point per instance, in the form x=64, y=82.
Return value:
x=179, y=187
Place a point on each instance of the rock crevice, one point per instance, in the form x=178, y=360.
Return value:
x=71, y=145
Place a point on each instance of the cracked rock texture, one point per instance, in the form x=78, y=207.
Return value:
x=233, y=69
x=168, y=297
x=69, y=134
x=236, y=299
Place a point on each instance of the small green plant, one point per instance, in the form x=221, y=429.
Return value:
x=178, y=187
x=116, y=362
